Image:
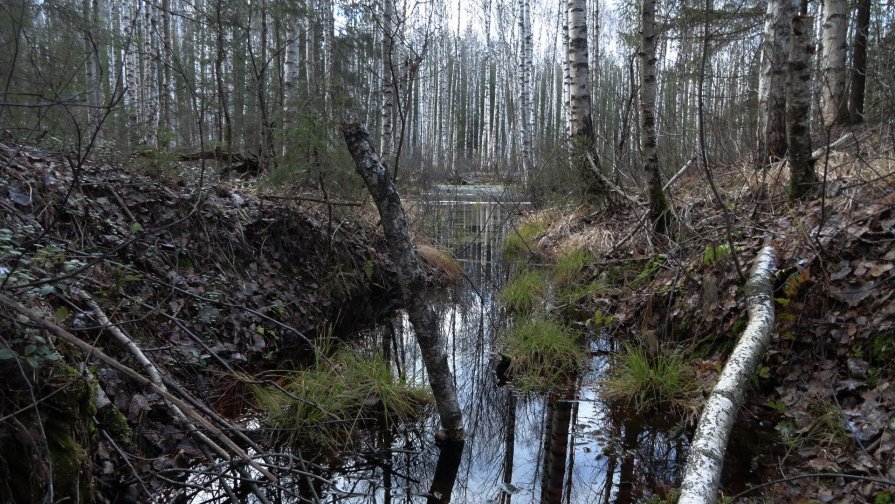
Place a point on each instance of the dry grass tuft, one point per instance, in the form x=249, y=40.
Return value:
x=442, y=261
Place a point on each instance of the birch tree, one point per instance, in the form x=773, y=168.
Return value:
x=386, y=135
x=772, y=81
x=859, y=63
x=581, y=124
x=658, y=212
x=832, y=86
x=798, y=108
x=526, y=69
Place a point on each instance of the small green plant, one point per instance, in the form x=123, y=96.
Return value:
x=569, y=266
x=828, y=427
x=601, y=320
x=520, y=239
x=714, y=253
x=543, y=355
x=526, y=292
x=327, y=405
x=32, y=351
x=649, y=271
x=665, y=382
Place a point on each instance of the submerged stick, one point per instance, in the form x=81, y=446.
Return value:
x=410, y=276
x=702, y=474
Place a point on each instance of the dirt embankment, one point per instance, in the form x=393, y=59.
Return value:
x=207, y=283
x=824, y=399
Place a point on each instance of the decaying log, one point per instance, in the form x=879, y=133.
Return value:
x=702, y=474
x=410, y=276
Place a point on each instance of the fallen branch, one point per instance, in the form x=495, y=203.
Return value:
x=820, y=152
x=702, y=474
x=608, y=183
x=38, y=319
x=680, y=172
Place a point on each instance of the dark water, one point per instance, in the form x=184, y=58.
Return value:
x=534, y=448
x=563, y=448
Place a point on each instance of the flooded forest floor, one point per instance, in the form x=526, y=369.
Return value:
x=224, y=289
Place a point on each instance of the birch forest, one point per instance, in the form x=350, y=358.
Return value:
x=470, y=251
x=492, y=87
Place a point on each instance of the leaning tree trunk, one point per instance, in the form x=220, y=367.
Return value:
x=658, y=203
x=832, y=88
x=798, y=108
x=702, y=473
x=410, y=276
x=859, y=63
x=772, y=81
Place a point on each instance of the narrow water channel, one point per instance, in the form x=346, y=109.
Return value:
x=533, y=448
x=557, y=448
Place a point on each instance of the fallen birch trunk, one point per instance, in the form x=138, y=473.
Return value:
x=702, y=474
x=410, y=276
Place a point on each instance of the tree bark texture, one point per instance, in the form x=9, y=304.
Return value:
x=579, y=94
x=581, y=126
x=772, y=81
x=798, y=108
x=658, y=203
x=859, y=63
x=702, y=473
x=410, y=276
x=388, y=85
x=832, y=86
x=526, y=71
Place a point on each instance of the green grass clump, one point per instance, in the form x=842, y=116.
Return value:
x=325, y=406
x=521, y=239
x=569, y=266
x=526, y=292
x=665, y=382
x=714, y=253
x=543, y=354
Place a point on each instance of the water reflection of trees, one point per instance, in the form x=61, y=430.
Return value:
x=559, y=448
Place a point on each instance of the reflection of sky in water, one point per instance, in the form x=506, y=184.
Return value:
x=471, y=318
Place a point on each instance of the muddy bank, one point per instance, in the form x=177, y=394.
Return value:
x=207, y=283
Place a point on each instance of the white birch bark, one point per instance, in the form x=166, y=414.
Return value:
x=168, y=120
x=702, y=473
x=772, y=81
x=132, y=71
x=526, y=69
x=386, y=134
x=92, y=82
x=488, y=106
x=658, y=212
x=581, y=121
x=149, y=88
x=291, y=77
x=328, y=35
x=832, y=86
x=798, y=108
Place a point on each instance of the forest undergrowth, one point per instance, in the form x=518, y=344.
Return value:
x=823, y=401
x=213, y=284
